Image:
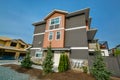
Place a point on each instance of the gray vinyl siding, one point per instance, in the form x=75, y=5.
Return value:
x=75, y=21
x=38, y=41
x=32, y=52
x=76, y=38
x=79, y=54
x=39, y=28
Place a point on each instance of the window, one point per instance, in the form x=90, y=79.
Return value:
x=54, y=23
x=13, y=44
x=38, y=54
x=58, y=35
x=91, y=53
x=50, y=35
x=22, y=46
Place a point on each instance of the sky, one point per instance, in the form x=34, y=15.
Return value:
x=17, y=16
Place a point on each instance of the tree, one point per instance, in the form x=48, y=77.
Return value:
x=48, y=62
x=60, y=67
x=64, y=63
x=26, y=62
x=117, y=52
x=98, y=69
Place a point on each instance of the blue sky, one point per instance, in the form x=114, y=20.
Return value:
x=17, y=16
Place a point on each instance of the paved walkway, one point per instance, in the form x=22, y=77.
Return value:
x=2, y=62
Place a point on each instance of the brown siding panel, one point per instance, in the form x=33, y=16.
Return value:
x=75, y=21
x=79, y=54
x=32, y=53
x=39, y=29
x=38, y=41
x=76, y=38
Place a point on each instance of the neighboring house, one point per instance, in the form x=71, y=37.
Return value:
x=68, y=32
x=12, y=48
x=102, y=45
x=112, y=51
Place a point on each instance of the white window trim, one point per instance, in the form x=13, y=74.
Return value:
x=69, y=29
x=38, y=51
x=38, y=34
x=36, y=48
x=54, y=24
x=54, y=29
x=79, y=48
x=52, y=36
x=75, y=28
x=56, y=35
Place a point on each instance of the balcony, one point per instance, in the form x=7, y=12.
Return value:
x=93, y=46
x=91, y=33
x=101, y=45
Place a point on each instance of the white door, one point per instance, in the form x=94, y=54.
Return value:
x=56, y=61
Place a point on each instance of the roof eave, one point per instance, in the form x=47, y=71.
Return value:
x=55, y=10
x=39, y=23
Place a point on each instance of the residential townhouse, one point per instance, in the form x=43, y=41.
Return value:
x=68, y=32
x=12, y=48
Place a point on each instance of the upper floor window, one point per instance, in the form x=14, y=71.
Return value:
x=50, y=35
x=13, y=44
x=54, y=23
x=22, y=46
x=58, y=35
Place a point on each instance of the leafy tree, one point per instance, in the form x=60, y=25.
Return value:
x=98, y=69
x=64, y=63
x=48, y=62
x=117, y=52
x=26, y=62
x=60, y=67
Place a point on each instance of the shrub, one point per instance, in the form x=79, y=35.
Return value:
x=48, y=62
x=26, y=62
x=85, y=69
x=64, y=63
x=98, y=69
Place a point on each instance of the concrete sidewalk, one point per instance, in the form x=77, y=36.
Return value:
x=3, y=62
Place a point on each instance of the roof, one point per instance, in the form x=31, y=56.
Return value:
x=14, y=40
x=22, y=41
x=54, y=11
x=38, y=23
x=4, y=38
x=83, y=11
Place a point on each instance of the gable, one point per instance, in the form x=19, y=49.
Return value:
x=55, y=11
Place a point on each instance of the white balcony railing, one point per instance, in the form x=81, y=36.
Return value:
x=93, y=45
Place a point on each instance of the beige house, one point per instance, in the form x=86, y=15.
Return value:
x=12, y=48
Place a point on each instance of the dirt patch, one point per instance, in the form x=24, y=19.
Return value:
x=68, y=75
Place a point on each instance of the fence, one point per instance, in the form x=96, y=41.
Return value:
x=112, y=63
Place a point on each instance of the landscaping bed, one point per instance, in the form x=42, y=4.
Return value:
x=36, y=74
